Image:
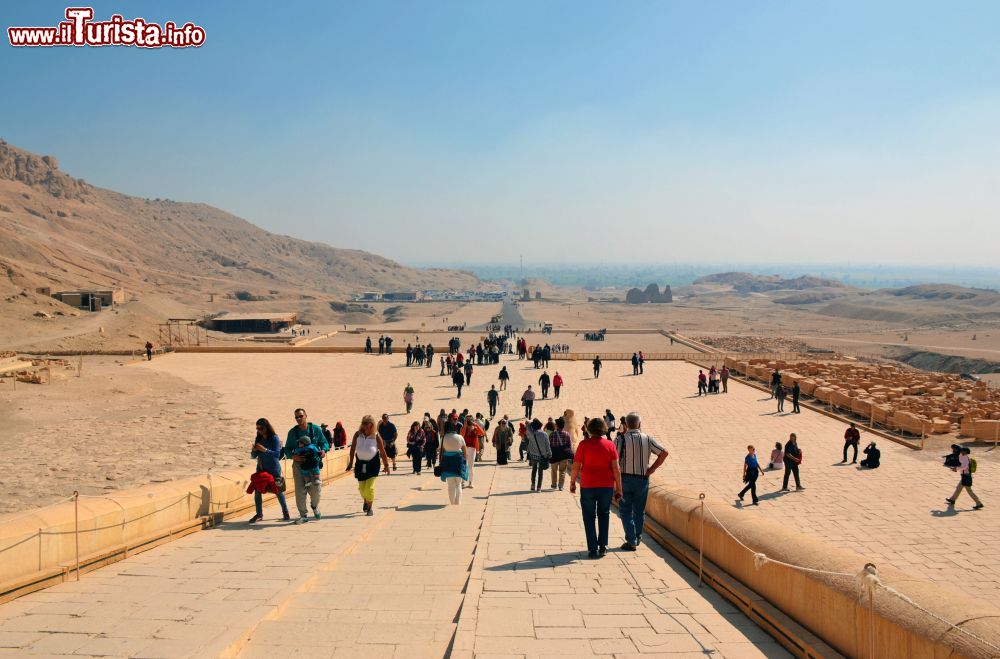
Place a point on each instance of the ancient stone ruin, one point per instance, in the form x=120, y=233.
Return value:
x=912, y=401
x=650, y=295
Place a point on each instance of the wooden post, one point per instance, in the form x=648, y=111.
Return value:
x=76, y=529
x=211, y=499
x=871, y=617
x=701, y=543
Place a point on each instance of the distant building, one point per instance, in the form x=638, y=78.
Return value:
x=91, y=300
x=526, y=295
x=253, y=323
x=402, y=296
x=538, y=295
x=369, y=296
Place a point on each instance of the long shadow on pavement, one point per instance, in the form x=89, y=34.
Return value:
x=539, y=562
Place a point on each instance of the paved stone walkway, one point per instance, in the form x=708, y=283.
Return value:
x=502, y=575
x=895, y=515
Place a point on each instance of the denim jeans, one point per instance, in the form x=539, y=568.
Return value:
x=258, y=501
x=632, y=507
x=595, y=502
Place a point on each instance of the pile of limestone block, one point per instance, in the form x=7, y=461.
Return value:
x=899, y=398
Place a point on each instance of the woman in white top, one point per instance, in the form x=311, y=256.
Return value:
x=367, y=447
x=452, y=458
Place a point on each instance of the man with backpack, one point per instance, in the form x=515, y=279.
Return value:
x=966, y=467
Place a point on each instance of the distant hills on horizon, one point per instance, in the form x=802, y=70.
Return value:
x=625, y=275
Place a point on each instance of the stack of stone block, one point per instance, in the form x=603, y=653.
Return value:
x=897, y=397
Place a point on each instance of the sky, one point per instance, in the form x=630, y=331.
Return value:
x=563, y=131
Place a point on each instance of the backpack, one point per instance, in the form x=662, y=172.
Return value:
x=972, y=465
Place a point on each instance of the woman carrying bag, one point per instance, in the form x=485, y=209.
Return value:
x=367, y=447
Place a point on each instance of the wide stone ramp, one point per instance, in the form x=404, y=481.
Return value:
x=505, y=574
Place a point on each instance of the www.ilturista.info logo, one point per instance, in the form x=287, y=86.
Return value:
x=81, y=30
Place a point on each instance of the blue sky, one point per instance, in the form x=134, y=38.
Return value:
x=564, y=131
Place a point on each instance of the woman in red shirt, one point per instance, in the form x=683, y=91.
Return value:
x=596, y=465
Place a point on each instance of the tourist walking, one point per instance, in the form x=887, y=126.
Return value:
x=454, y=465
x=473, y=435
x=408, y=397
x=468, y=372
x=303, y=428
x=149, y=351
x=539, y=453
x=267, y=451
x=635, y=363
x=387, y=431
x=561, y=444
x=573, y=428
x=642, y=362
x=503, y=377
x=544, y=381
x=796, y=390
x=458, y=379
x=557, y=383
x=522, y=434
x=528, y=400
x=431, y=442
x=597, y=366
x=415, y=441
x=793, y=458
x=381, y=345
x=966, y=467
x=852, y=437
x=702, y=383
x=724, y=378
x=503, y=439
x=775, y=381
x=751, y=470
x=492, y=398
x=339, y=436
x=779, y=393
x=596, y=466
x=367, y=449
x=635, y=448
x=368, y=345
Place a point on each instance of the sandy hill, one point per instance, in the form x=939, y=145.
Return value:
x=59, y=231
x=745, y=282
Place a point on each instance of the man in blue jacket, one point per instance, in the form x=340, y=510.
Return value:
x=303, y=428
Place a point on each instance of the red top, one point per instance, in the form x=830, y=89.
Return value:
x=472, y=434
x=557, y=381
x=596, y=456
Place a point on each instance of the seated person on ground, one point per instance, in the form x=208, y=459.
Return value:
x=873, y=455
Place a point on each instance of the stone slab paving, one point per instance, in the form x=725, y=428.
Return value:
x=534, y=593
x=199, y=594
x=503, y=574
x=895, y=515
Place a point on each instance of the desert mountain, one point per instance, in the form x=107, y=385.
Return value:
x=745, y=282
x=59, y=231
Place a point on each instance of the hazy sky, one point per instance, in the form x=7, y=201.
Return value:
x=566, y=131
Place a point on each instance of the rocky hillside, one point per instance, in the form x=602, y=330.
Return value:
x=59, y=231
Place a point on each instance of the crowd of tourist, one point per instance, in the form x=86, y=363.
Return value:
x=609, y=458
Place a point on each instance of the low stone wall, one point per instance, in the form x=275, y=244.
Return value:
x=830, y=606
x=40, y=548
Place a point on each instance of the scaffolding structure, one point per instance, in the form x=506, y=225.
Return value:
x=182, y=332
